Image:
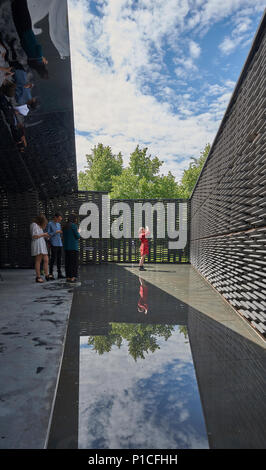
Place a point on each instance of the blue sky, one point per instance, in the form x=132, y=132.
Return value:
x=157, y=73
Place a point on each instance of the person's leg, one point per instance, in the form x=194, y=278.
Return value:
x=21, y=16
x=45, y=265
x=37, y=265
x=41, y=267
x=141, y=263
x=67, y=261
x=59, y=261
x=75, y=264
x=52, y=259
x=72, y=265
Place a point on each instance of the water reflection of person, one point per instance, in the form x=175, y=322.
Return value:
x=5, y=70
x=143, y=297
x=32, y=48
x=13, y=119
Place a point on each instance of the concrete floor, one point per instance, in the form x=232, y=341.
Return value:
x=33, y=323
x=229, y=356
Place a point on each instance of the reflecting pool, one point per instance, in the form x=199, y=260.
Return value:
x=144, y=369
x=138, y=389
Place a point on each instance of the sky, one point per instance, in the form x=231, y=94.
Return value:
x=156, y=73
x=157, y=395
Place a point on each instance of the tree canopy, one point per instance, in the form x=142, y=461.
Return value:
x=140, y=179
x=141, y=339
x=102, y=164
x=191, y=175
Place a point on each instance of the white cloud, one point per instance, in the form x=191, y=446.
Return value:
x=117, y=58
x=228, y=45
x=194, y=49
x=240, y=34
x=213, y=11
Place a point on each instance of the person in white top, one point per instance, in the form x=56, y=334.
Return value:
x=39, y=247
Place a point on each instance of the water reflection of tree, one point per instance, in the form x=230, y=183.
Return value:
x=141, y=338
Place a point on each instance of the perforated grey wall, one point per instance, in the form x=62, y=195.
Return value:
x=228, y=205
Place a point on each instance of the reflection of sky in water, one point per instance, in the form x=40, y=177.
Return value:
x=151, y=403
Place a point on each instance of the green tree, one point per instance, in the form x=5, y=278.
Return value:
x=191, y=175
x=141, y=179
x=125, y=185
x=141, y=338
x=144, y=166
x=102, y=164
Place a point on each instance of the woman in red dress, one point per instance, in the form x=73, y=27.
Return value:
x=144, y=246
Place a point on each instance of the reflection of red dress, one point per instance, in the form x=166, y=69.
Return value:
x=142, y=303
x=144, y=245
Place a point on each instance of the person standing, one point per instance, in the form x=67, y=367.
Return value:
x=144, y=246
x=39, y=247
x=56, y=245
x=22, y=20
x=71, y=238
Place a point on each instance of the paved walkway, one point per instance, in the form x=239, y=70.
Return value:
x=33, y=324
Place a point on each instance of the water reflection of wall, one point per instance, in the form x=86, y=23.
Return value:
x=231, y=377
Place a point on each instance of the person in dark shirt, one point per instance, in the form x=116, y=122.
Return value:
x=32, y=48
x=71, y=238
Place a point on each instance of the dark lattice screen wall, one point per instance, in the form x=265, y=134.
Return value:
x=16, y=211
x=111, y=249
x=228, y=205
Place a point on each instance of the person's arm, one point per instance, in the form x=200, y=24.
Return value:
x=34, y=233
x=6, y=69
x=51, y=230
x=147, y=231
x=75, y=230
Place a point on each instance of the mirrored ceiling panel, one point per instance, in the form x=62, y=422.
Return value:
x=37, y=140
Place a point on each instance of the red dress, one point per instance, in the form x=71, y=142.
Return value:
x=144, y=245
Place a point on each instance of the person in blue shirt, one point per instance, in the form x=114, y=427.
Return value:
x=71, y=238
x=23, y=89
x=55, y=231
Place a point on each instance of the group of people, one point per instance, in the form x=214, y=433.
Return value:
x=16, y=100
x=48, y=240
